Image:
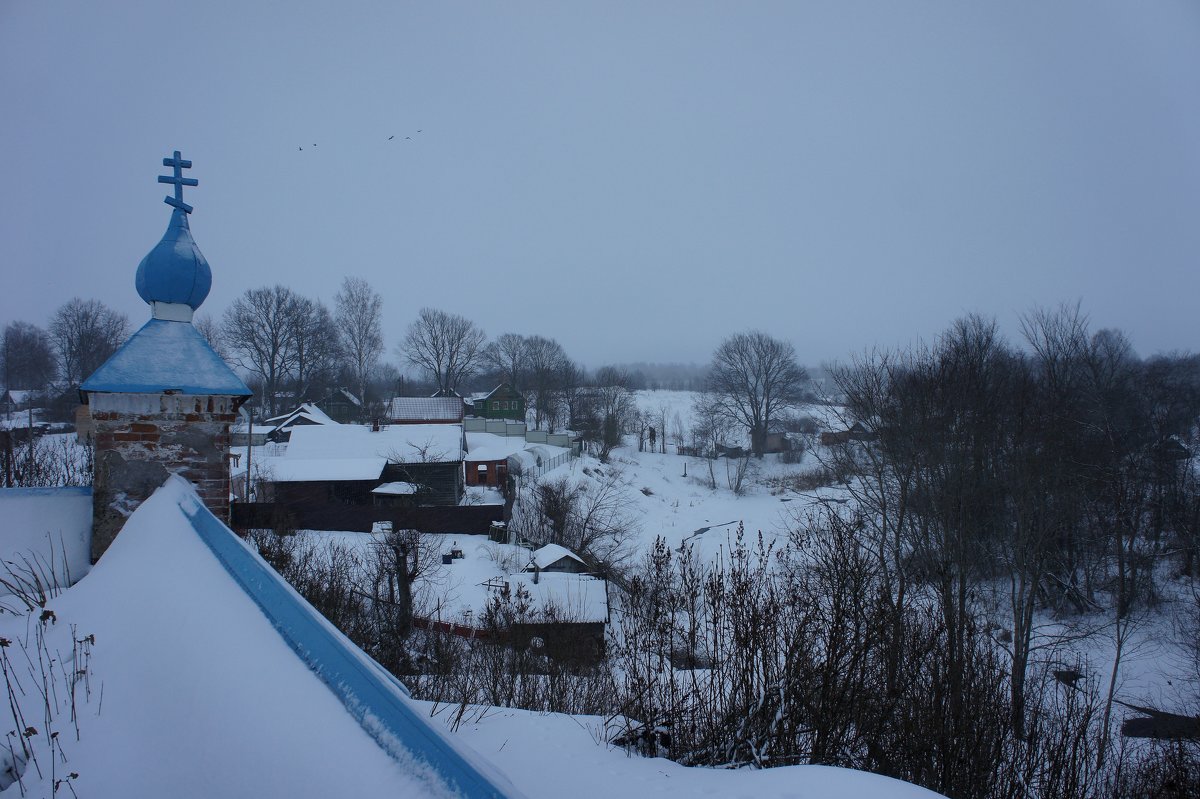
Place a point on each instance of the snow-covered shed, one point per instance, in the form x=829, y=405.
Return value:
x=555, y=558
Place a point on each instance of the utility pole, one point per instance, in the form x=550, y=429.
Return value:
x=30, y=473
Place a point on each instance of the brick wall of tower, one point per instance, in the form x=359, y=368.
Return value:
x=140, y=439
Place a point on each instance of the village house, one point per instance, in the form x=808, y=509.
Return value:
x=279, y=428
x=856, y=432
x=342, y=406
x=344, y=464
x=425, y=410
x=502, y=402
x=559, y=611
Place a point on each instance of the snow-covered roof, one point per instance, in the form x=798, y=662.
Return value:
x=255, y=655
x=166, y=356
x=470, y=582
x=305, y=413
x=426, y=409
x=491, y=447
x=19, y=396
x=552, y=553
x=530, y=455
x=571, y=597
x=417, y=443
x=286, y=469
x=347, y=393
x=396, y=489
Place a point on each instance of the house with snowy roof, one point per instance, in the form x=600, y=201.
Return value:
x=279, y=428
x=425, y=410
x=502, y=402
x=344, y=464
x=559, y=612
x=556, y=558
x=342, y=405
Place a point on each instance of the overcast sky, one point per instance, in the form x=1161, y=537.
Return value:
x=636, y=180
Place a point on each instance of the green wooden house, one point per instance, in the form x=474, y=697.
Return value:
x=502, y=402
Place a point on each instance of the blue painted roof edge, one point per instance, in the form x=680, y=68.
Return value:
x=366, y=689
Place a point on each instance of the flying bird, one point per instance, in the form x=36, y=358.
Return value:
x=301, y=149
x=391, y=137
x=418, y=131
x=409, y=138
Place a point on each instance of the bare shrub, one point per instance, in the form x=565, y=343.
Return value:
x=591, y=519
x=35, y=462
x=801, y=655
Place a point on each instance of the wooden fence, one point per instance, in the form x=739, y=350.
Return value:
x=464, y=519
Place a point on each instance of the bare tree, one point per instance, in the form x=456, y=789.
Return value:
x=359, y=316
x=753, y=378
x=85, y=333
x=508, y=356
x=593, y=520
x=317, y=345
x=709, y=430
x=549, y=373
x=211, y=330
x=259, y=331
x=27, y=356
x=446, y=346
x=612, y=408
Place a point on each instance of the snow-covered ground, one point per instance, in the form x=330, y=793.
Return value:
x=551, y=755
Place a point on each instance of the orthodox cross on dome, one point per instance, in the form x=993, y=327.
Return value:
x=179, y=180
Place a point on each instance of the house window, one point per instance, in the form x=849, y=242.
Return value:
x=496, y=405
x=504, y=405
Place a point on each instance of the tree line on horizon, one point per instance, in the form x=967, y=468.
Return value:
x=292, y=348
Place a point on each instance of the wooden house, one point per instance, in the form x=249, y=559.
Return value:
x=856, y=432
x=346, y=464
x=777, y=437
x=502, y=402
x=342, y=406
x=279, y=428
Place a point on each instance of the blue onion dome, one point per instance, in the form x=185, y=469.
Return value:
x=175, y=271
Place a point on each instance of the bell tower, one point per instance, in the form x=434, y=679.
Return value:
x=163, y=403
